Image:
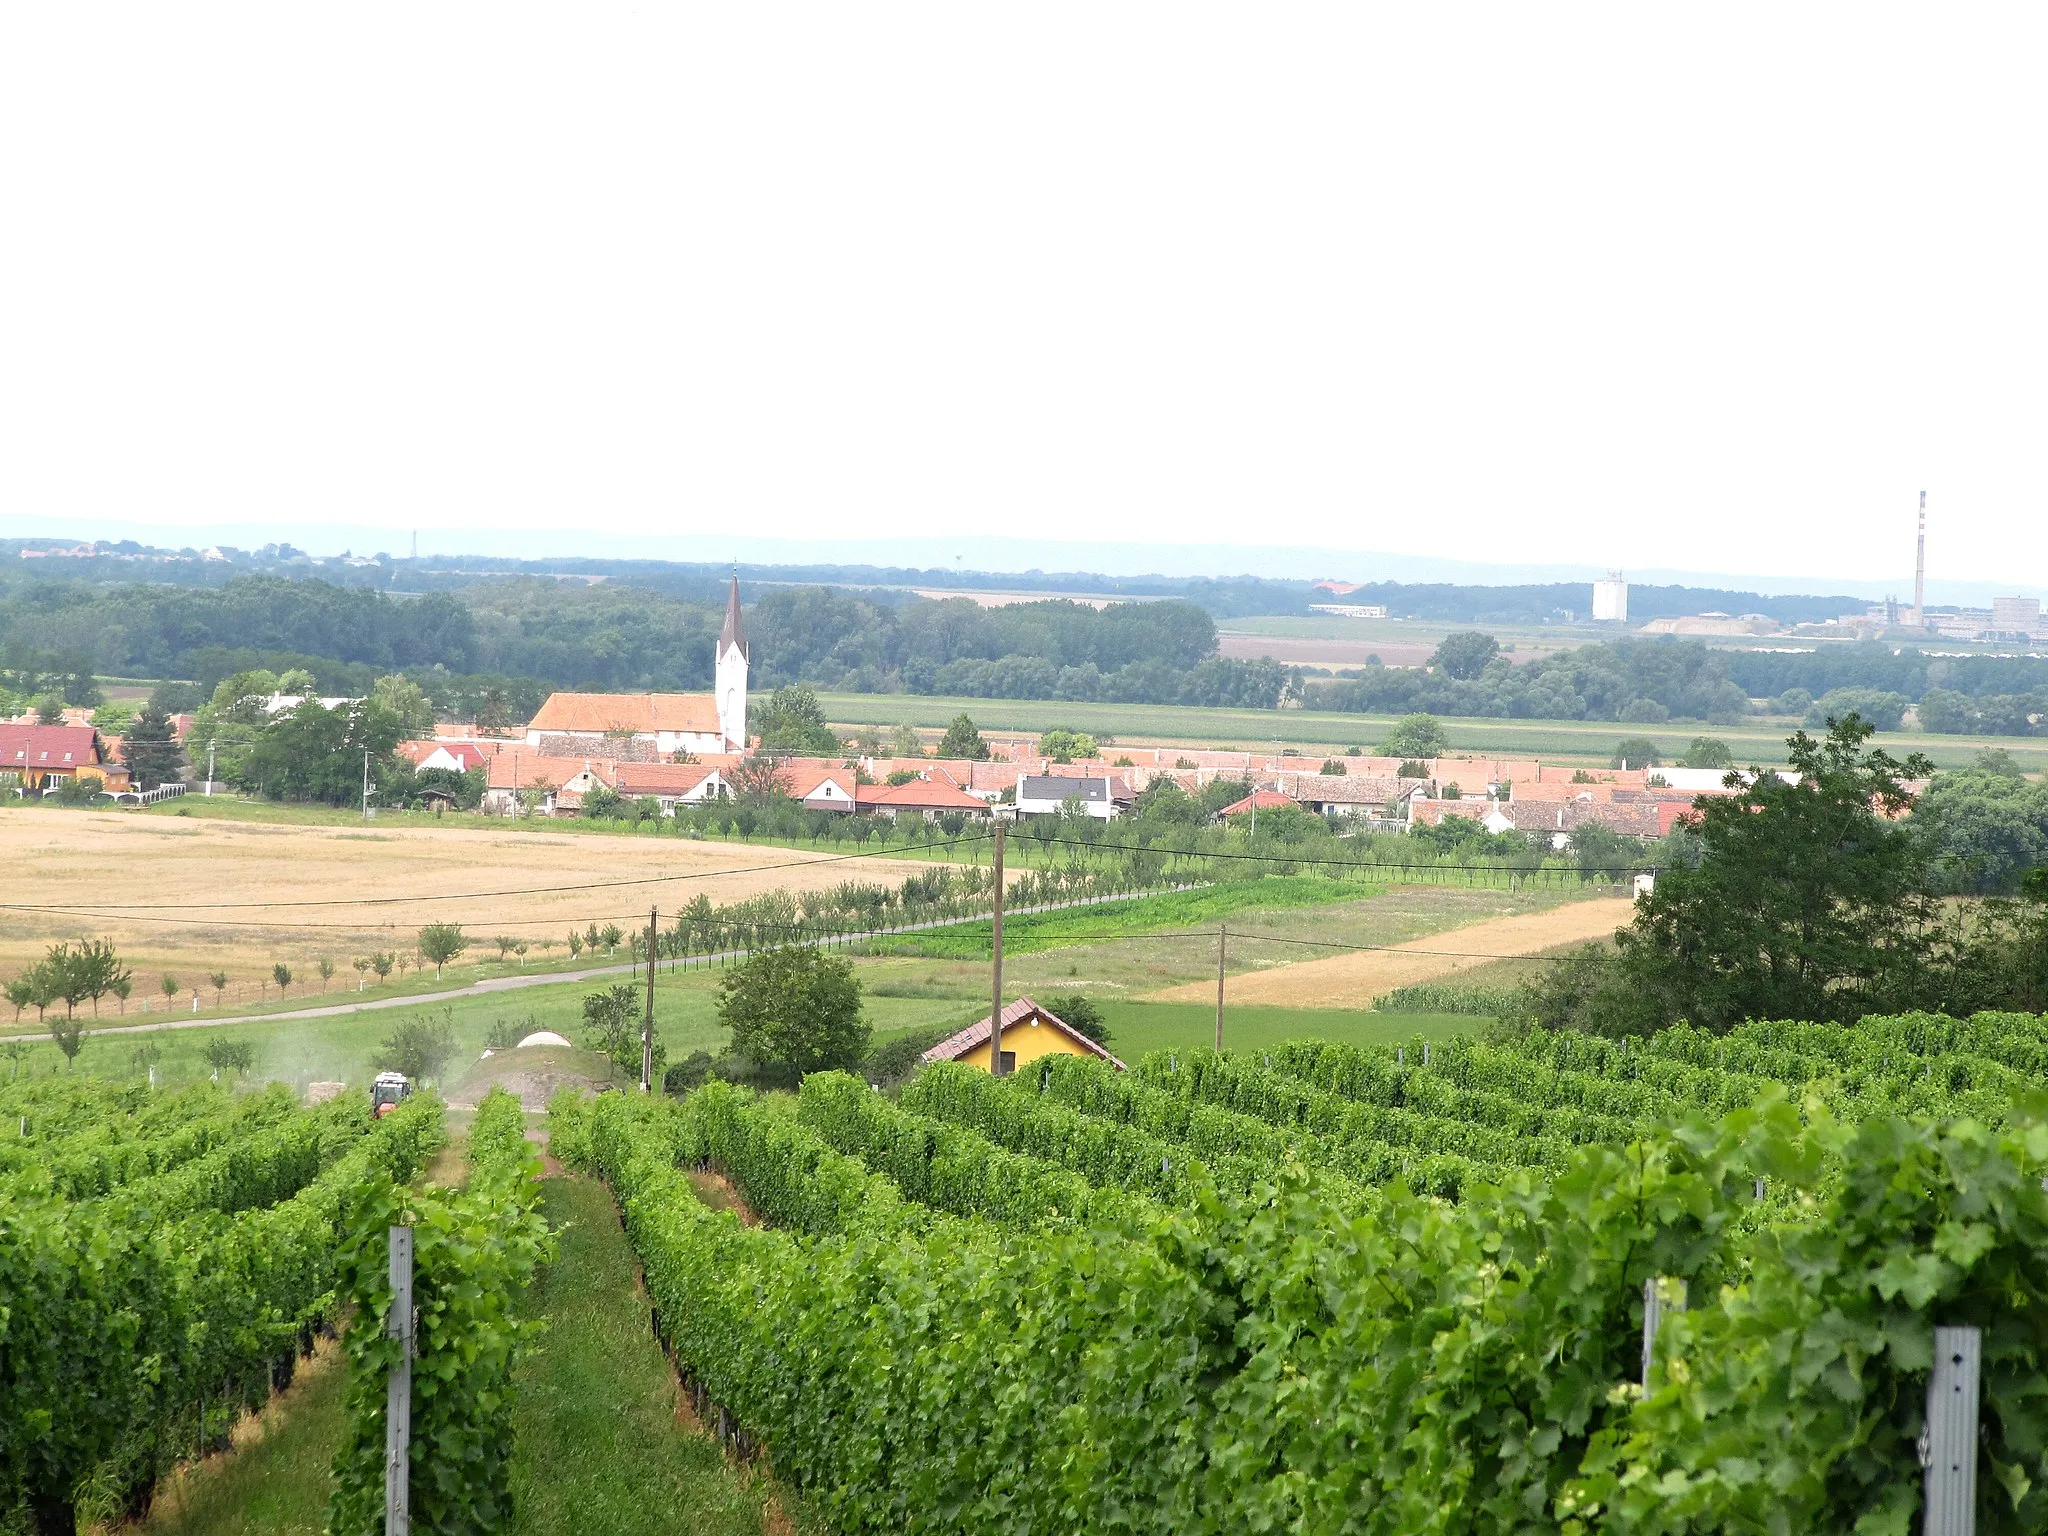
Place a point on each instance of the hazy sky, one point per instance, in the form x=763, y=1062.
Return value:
x=1719, y=288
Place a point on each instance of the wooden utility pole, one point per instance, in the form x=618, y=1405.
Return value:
x=647, y=1023
x=1222, y=943
x=995, y=1014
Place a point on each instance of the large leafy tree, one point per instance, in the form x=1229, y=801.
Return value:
x=1807, y=900
x=796, y=1009
x=1465, y=655
x=150, y=749
x=791, y=720
x=316, y=753
x=963, y=740
x=1416, y=736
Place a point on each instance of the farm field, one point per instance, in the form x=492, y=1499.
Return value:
x=1357, y=980
x=1315, y=732
x=193, y=894
x=1083, y=952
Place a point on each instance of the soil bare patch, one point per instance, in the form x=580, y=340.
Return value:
x=1356, y=979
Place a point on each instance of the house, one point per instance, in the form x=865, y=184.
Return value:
x=45, y=755
x=1029, y=1032
x=662, y=724
x=671, y=784
x=1345, y=794
x=928, y=797
x=454, y=756
x=555, y=784
x=820, y=786
x=1040, y=794
x=1261, y=800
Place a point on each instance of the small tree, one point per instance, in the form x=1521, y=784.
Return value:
x=442, y=942
x=382, y=964
x=123, y=989
x=145, y=1054
x=220, y=986
x=236, y=1056
x=1063, y=746
x=16, y=1051
x=795, y=1009
x=1416, y=736
x=21, y=991
x=504, y=941
x=362, y=969
x=1707, y=752
x=69, y=1033
x=282, y=975
x=170, y=989
x=418, y=1046
x=608, y=1016
x=610, y=938
x=1076, y=1010
x=963, y=739
x=326, y=969
x=1636, y=752
x=93, y=970
x=575, y=945
x=1334, y=765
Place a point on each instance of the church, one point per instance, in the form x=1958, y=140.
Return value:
x=655, y=726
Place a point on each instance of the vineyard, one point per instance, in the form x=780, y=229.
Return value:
x=164, y=1261
x=1330, y=1288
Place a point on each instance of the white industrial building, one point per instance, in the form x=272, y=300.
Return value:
x=1610, y=600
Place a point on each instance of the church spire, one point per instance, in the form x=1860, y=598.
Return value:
x=733, y=633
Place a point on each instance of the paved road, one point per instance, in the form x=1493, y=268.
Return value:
x=548, y=978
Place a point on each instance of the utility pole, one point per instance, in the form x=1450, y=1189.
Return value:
x=995, y=1013
x=366, y=784
x=647, y=1024
x=1222, y=943
x=209, y=770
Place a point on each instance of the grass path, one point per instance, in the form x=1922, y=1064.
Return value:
x=602, y=1451
x=602, y=1448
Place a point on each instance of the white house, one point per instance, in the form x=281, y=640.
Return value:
x=1040, y=794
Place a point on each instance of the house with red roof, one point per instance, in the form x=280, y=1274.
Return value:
x=927, y=797
x=46, y=755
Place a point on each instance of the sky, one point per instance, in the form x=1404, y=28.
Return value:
x=1719, y=289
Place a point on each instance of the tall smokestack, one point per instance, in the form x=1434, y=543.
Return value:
x=1920, y=570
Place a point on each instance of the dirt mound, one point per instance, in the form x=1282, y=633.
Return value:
x=1355, y=979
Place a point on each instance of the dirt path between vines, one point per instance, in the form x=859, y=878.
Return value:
x=1355, y=978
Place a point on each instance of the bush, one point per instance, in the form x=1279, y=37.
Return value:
x=1636, y=752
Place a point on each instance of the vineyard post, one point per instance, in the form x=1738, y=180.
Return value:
x=1659, y=1296
x=398, y=1394
x=1222, y=942
x=1948, y=1444
x=647, y=1022
x=995, y=1013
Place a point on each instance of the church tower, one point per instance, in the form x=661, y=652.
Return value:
x=730, y=678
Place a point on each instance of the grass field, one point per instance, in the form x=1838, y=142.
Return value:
x=1140, y=915
x=1319, y=731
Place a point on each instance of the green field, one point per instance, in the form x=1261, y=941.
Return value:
x=1316, y=732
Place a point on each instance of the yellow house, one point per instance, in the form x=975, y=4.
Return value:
x=1029, y=1032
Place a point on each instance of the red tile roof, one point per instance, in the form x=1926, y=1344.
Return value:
x=660, y=778
x=1265, y=800
x=644, y=713
x=918, y=795
x=47, y=746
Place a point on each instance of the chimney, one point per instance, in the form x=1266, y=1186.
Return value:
x=1920, y=570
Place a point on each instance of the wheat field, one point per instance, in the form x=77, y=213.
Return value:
x=194, y=896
